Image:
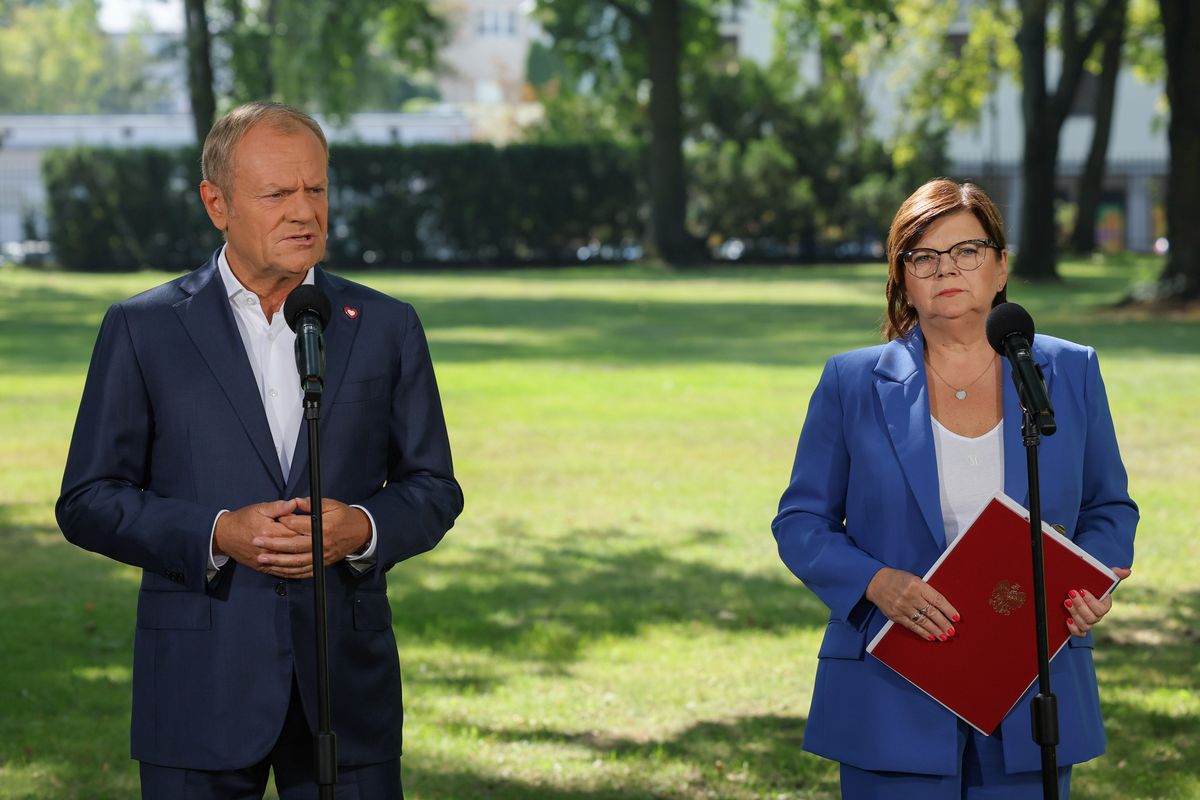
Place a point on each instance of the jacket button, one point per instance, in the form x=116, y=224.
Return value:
x=281, y=588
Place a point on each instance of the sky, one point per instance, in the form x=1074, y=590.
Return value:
x=118, y=16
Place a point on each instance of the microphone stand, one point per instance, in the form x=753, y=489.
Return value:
x=1044, y=708
x=326, y=739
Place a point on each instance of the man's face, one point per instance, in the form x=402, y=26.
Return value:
x=276, y=212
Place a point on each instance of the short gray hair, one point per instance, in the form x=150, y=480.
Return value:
x=216, y=162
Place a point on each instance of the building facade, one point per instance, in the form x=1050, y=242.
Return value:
x=484, y=62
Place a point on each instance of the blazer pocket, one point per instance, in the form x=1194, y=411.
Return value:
x=360, y=391
x=187, y=611
x=843, y=641
x=1081, y=641
x=154, y=582
x=372, y=612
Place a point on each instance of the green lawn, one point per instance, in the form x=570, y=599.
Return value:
x=609, y=618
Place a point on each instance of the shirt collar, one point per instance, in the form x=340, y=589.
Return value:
x=234, y=287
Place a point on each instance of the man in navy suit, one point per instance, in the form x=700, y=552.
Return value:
x=188, y=460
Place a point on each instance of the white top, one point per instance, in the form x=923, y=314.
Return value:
x=970, y=471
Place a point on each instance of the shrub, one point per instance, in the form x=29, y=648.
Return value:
x=114, y=210
x=125, y=209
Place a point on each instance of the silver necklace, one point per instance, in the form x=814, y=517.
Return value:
x=960, y=394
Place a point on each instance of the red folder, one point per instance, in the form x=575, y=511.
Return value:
x=987, y=575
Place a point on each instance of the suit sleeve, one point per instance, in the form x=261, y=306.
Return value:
x=421, y=498
x=1108, y=517
x=810, y=528
x=105, y=506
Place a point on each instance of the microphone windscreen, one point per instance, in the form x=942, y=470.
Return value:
x=306, y=297
x=1003, y=321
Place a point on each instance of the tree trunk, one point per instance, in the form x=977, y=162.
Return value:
x=199, y=68
x=1037, y=259
x=668, y=192
x=1091, y=183
x=1181, y=24
x=267, y=63
x=1044, y=114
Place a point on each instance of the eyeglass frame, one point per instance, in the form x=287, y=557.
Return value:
x=904, y=257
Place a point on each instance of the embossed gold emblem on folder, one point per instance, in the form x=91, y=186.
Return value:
x=1006, y=598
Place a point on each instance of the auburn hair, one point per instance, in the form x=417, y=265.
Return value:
x=937, y=198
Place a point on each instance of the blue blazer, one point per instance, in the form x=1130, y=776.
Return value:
x=864, y=495
x=171, y=430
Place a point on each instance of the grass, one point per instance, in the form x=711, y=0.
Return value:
x=609, y=618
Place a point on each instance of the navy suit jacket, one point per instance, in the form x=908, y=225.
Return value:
x=864, y=495
x=171, y=430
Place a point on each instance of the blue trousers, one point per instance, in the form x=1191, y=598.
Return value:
x=293, y=762
x=980, y=777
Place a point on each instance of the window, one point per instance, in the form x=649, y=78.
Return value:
x=494, y=22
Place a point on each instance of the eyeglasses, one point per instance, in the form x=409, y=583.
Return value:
x=967, y=256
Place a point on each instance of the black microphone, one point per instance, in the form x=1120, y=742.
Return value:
x=1010, y=333
x=307, y=311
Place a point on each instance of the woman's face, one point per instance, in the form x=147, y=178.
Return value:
x=951, y=293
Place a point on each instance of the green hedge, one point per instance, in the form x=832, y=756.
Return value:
x=124, y=209
x=476, y=203
x=115, y=210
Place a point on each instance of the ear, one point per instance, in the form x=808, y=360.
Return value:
x=1002, y=270
x=215, y=204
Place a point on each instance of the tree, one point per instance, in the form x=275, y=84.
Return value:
x=1181, y=26
x=1091, y=183
x=54, y=59
x=338, y=55
x=624, y=48
x=668, y=193
x=248, y=45
x=1044, y=111
x=606, y=43
x=940, y=73
x=199, y=67
x=809, y=179
x=951, y=87
x=947, y=78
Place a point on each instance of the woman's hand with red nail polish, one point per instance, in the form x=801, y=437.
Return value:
x=1087, y=610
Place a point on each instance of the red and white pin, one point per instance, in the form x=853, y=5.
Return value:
x=350, y=311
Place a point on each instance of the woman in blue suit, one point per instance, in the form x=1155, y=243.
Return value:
x=902, y=445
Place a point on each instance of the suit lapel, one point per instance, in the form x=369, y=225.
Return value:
x=1016, y=473
x=339, y=335
x=206, y=316
x=903, y=395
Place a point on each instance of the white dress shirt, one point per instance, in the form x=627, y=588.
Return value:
x=270, y=348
